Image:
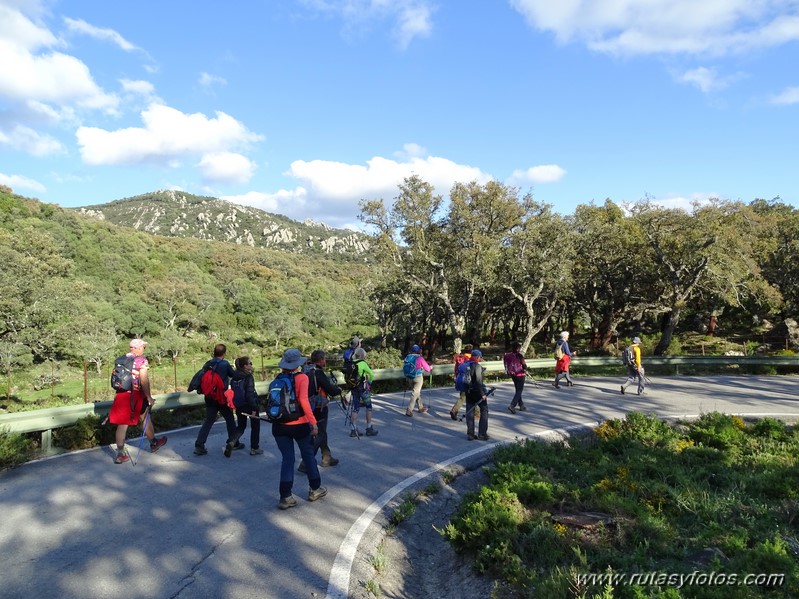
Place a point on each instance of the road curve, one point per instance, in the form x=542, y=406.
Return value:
x=181, y=526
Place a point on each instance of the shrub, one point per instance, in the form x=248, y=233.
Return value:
x=81, y=435
x=15, y=449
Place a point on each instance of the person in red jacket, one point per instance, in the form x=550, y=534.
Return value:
x=300, y=431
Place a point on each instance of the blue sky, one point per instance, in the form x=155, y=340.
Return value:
x=304, y=107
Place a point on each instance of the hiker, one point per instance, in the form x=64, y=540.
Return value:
x=563, y=357
x=320, y=385
x=362, y=394
x=464, y=356
x=516, y=369
x=243, y=379
x=416, y=365
x=355, y=343
x=476, y=395
x=129, y=406
x=301, y=430
x=635, y=370
x=212, y=407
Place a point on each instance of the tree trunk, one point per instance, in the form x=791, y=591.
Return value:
x=670, y=321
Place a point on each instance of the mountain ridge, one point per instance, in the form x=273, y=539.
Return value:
x=178, y=214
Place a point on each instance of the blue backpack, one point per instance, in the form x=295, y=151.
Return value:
x=409, y=366
x=239, y=393
x=463, y=379
x=281, y=403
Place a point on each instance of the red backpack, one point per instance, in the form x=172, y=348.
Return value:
x=212, y=385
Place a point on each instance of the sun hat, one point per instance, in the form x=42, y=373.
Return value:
x=636, y=340
x=415, y=348
x=292, y=359
x=476, y=353
x=137, y=343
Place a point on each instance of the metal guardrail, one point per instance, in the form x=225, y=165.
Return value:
x=46, y=420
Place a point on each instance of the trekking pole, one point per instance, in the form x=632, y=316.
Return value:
x=143, y=433
x=532, y=378
x=488, y=394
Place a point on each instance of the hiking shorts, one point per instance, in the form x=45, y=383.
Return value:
x=361, y=396
x=126, y=409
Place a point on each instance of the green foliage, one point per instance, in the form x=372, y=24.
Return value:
x=83, y=434
x=643, y=496
x=15, y=449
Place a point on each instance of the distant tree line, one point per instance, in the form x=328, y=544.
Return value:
x=491, y=263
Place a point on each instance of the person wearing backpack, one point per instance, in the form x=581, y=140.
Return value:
x=635, y=371
x=476, y=396
x=245, y=399
x=459, y=359
x=213, y=407
x=413, y=367
x=516, y=369
x=362, y=394
x=129, y=406
x=301, y=430
x=320, y=390
x=563, y=357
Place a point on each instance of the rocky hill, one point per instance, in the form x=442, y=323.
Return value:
x=179, y=214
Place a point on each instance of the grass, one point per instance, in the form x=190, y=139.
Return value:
x=637, y=495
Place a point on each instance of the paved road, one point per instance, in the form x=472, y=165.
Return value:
x=181, y=526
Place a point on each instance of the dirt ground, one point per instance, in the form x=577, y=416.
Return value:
x=419, y=562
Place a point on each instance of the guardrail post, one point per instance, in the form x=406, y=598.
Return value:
x=47, y=440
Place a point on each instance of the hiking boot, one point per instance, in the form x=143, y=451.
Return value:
x=483, y=437
x=121, y=458
x=228, y=449
x=157, y=444
x=556, y=385
x=511, y=410
x=371, y=431
x=570, y=384
x=424, y=410
x=287, y=502
x=521, y=408
x=238, y=445
x=453, y=415
x=355, y=433
x=470, y=437
x=314, y=494
x=256, y=451
x=302, y=468
x=200, y=450
x=622, y=389
x=409, y=414
x=329, y=461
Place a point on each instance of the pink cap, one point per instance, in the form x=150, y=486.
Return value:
x=137, y=343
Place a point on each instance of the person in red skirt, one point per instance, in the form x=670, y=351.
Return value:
x=129, y=406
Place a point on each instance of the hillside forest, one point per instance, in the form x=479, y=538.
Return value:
x=485, y=265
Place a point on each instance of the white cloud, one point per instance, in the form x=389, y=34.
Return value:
x=715, y=27
x=226, y=167
x=544, y=173
x=707, y=79
x=167, y=135
x=411, y=18
x=81, y=26
x=330, y=191
x=140, y=87
x=787, y=96
x=25, y=139
x=26, y=75
x=207, y=80
x=17, y=182
x=289, y=202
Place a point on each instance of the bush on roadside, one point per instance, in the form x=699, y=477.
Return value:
x=15, y=449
